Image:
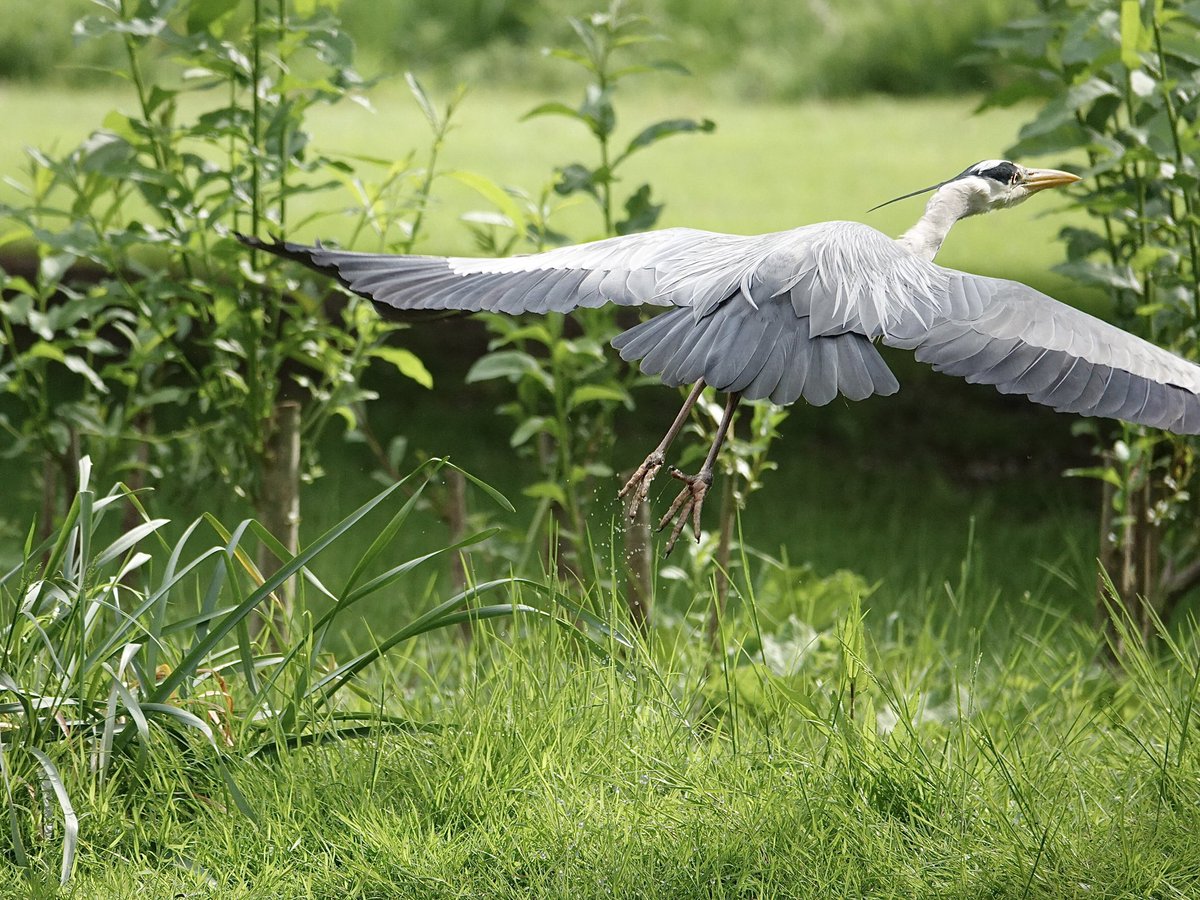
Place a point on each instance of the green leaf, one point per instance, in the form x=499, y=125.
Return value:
x=527, y=429
x=510, y=364
x=203, y=13
x=80, y=367
x=406, y=363
x=494, y=194
x=546, y=490
x=597, y=110
x=666, y=128
x=1147, y=257
x=45, y=350
x=106, y=153
x=590, y=393
x=640, y=213
x=570, y=56
x=1097, y=472
x=532, y=332
x=1105, y=274
x=423, y=101
x=52, y=268
x=1131, y=33
x=588, y=37
x=578, y=177
x=15, y=232
x=552, y=108
x=498, y=498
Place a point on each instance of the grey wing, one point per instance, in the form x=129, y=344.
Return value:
x=737, y=327
x=1007, y=334
x=673, y=267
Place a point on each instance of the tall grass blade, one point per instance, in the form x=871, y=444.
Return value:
x=485, y=487
x=383, y=539
x=364, y=725
x=14, y=824
x=430, y=621
x=223, y=626
x=128, y=539
x=53, y=781
x=319, y=630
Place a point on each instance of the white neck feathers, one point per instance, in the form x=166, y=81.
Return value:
x=949, y=203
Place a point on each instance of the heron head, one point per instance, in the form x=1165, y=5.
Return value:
x=995, y=184
x=998, y=183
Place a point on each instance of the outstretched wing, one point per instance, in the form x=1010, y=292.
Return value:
x=673, y=267
x=1007, y=334
x=738, y=324
x=794, y=314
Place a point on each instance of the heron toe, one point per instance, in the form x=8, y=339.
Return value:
x=687, y=505
x=638, y=485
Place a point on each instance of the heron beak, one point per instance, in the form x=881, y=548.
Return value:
x=1040, y=179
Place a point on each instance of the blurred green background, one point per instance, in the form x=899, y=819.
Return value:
x=769, y=49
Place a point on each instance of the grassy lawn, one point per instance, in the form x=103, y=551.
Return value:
x=964, y=767
x=971, y=745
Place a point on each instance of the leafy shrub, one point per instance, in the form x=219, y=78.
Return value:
x=776, y=49
x=177, y=355
x=1119, y=84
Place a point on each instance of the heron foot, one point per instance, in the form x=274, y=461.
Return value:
x=686, y=505
x=638, y=485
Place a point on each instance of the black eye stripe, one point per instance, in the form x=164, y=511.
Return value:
x=1004, y=172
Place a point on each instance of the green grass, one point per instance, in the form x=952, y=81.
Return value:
x=970, y=768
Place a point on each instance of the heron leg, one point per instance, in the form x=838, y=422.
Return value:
x=638, y=484
x=691, y=498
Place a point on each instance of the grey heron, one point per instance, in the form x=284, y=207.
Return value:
x=796, y=314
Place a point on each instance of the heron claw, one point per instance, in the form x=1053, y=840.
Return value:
x=687, y=505
x=638, y=485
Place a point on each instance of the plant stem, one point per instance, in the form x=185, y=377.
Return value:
x=255, y=117
x=1180, y=161
x=285, y=136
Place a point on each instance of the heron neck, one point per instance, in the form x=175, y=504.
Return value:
x=948, y=204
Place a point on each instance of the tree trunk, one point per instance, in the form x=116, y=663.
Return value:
x=49, y=497
x=279, y=512
x=1132, y=563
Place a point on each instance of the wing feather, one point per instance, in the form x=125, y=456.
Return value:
x=756, y=362
x=791, y=385
x=1011, y=336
